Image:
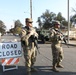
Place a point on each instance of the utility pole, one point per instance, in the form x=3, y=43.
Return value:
x=30, y=8
x=68, y=19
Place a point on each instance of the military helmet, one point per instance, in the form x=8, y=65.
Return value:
x=55, y=23
x=28, y=20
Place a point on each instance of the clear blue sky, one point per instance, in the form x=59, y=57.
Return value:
x=11, y=10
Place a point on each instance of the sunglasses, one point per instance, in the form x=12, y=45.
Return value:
x=56, y=24
x=29, y=22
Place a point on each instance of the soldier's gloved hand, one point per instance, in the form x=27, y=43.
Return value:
x=36, y=35
x=31, y=33
x=23, y=33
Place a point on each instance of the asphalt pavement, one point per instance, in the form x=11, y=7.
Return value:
x=44, y=61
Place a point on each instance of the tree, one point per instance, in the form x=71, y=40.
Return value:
x=46, y=19
x=2, y=27
x=64, y=23
x=17, y=27
x=39, y=22
x=73, y=18
x=17, y=23
x=59, y=17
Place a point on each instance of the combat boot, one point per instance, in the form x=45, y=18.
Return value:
x=28, y=70
x=55, y=69
x=28, y=73
x=59, y=65
x=33, y=69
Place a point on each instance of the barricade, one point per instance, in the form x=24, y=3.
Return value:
x=9, y=55
x=9, y=61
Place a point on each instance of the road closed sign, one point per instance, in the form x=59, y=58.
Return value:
x=10, y=49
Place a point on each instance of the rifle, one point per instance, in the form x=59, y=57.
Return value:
x=34, y=39
x=64, y=39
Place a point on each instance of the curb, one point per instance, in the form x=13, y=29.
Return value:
x=70, y=44
x=48, y=42
x=62, y=43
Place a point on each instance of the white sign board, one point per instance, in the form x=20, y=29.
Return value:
x=10, y=49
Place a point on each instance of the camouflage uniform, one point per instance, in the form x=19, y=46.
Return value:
x=29, y=47
x=0, y=37
x=57, y=51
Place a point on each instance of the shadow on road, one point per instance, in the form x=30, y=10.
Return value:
x=42, y=70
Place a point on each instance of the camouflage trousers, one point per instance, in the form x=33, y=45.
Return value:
x=30, y=57
x=57, y=53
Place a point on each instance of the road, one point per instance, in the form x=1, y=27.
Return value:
x=44, y=62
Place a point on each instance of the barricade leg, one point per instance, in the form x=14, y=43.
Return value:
x=6, y=69
x=9, y=62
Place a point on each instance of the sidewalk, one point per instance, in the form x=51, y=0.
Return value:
x=72, y=42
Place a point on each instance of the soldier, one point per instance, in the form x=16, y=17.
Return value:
x=28, y=38
x=57, y=51
x=0, y=37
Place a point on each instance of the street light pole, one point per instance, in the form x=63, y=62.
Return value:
x=68, y=19
x=30, y=8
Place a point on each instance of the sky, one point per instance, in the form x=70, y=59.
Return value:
x=11, y=10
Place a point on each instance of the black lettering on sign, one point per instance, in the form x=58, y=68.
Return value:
x=15, y=52
x=4, y=54
x=7, y=53
x=9, y=46
x=15, y=45
x=12, y=53
x=0, y=54
x=19, y=52
x=3, y=46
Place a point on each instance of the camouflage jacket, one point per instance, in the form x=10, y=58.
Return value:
x=55, y=36
x=27, y=38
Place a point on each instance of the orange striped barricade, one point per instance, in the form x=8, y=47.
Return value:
x=9, y=54
x=10, y=61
